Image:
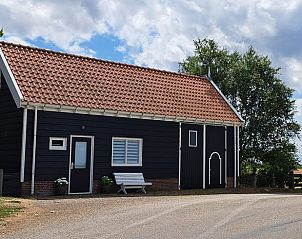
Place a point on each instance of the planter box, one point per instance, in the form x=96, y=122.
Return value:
x=106, y=189
x=61, y=190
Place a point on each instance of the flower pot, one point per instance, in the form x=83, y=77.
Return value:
x=60, y=190
x=106, y=189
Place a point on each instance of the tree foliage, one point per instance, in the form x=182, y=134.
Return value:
x=1, y=32
x=265, y=103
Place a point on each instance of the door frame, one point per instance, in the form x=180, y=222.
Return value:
x=91, y=162
x=220, y=167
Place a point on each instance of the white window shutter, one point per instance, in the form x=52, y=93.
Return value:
x=119, y=151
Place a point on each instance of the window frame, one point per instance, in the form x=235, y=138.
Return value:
x=196, y=138
x=54, y=147
x=140, y=159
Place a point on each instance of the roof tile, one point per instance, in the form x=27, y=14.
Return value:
x=56, y=78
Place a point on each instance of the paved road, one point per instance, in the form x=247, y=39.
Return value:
x=205, y=216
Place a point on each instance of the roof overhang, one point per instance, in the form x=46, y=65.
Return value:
x=124, y=114
x=10, y=80
x=226, y=100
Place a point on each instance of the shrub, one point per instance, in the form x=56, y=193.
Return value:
x=60, y=182
x=105, y=180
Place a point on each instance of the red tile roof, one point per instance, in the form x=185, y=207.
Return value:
x=297, y=171
x=49, y=77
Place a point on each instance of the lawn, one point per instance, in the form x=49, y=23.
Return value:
x=8, y=206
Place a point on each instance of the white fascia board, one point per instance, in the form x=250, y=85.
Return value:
x=10, y=80
x=124, y=114
x=226, y=100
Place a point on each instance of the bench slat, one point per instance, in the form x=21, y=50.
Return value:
x=132, y=184
x=127, y=174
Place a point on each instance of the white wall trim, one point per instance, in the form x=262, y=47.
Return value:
x=23, y=147
x=220, y=168
x=196, y=138
x=123, y=114
x=179, y=157
x=204, y=158
x=226, y=100
x=10, y=80
x=33, y=167
x=226, y=156
x=54, y=147
x=238, y=152
x=91, y=162
x=235, y=158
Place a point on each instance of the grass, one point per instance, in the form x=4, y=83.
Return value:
x=8, y=206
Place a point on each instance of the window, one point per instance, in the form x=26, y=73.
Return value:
x=126, y=151
x=80, y=155
x=57, y=143
x=192, y=138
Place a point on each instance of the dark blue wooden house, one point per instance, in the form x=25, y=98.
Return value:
x=71, y=116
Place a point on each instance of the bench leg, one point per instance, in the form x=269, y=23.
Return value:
x=122, y=189
x=143, y=190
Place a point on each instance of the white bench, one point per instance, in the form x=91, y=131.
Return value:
x=130, y=180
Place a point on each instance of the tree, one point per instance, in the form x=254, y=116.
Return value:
x=1, y=32
x=265, y=103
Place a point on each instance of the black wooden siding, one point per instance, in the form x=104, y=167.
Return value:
x=215, y=142
x=160, y=144
x=191, y=158
x=10, y=139
x=230, y=151
x=29, y=145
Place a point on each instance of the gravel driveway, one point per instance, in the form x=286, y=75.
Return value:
x=198, y=216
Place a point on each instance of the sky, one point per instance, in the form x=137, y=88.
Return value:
x=160, y=33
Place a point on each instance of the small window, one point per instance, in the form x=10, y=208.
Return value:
x=192, y=138
x=56, y=143
x=80, y=155
x=126, y=152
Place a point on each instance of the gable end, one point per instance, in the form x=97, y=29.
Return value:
x=10, y=80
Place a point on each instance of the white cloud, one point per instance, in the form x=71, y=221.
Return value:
x=16, y=40
x=120, y=49
x=64, y=23
x=298, y=117
x=158, y=33
x=293, y=72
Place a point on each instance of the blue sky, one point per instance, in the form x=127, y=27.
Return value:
x=160, y=33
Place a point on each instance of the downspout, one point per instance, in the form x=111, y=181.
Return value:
x=235, y=157
x=179, y=157
x=23, y=147
x=34, y=152
x=204, y=158
x=238, y=151
x=225, y=156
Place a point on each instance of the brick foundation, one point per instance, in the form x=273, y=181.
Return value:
x=46, y=188
x=230, y=182
x=41, y=188
x=25, y=188
x=163, y=184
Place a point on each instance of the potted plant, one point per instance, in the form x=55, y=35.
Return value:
x=106, y=184
x=60, y=186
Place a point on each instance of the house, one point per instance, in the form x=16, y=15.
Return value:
x=71, y=116
x=297, y=178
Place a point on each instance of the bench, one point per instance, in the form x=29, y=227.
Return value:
x=130, y=181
